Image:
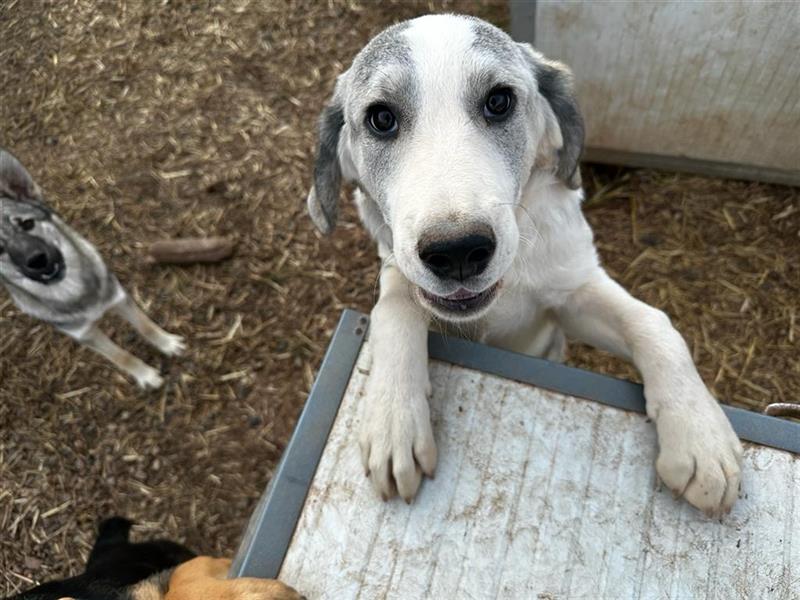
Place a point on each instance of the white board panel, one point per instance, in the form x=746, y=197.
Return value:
x=707, y=81
x=542, y=495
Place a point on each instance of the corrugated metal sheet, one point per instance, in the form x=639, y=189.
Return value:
x=538, y=495
x=708, y=81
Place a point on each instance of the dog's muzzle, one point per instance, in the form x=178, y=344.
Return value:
x=458, y=255
x=36, y=259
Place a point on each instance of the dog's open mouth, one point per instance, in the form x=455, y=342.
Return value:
x=462, y=301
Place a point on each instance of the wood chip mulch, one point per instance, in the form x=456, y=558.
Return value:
x=155, y=120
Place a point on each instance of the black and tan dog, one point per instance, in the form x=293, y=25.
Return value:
x=157, y=570
x=56, y=275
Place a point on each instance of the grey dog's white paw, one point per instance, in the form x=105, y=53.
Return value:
x=700, y=456
x=171, y=344
x=148, y=378
x=396, y=438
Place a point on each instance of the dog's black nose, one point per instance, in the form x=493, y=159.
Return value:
x=37, y=262
x=459, y=258
x=36, y=259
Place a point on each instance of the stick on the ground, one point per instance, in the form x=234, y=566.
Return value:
x=783, y=409
x=191, y=250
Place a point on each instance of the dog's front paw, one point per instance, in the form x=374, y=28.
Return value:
x=148, y=378
x=396, y=438
x=700, y=456
x=171, y=344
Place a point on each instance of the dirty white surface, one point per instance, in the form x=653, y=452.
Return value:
x=538, y=495
x=701, y=80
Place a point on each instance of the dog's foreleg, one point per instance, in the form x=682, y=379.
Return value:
x=396, y=438
x=700, y=455
x=146, y=376
x=167, y=343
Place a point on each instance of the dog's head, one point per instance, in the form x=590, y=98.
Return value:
x=441, y=121
x=30, y=253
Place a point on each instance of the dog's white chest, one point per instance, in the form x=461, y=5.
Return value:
x=518, y=323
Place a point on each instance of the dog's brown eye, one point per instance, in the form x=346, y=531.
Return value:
x=27, y=224
x=381, y=119
x=498, y=104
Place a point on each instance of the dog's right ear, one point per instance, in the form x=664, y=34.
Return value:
x=15, y=181
x=564, y=129
x=323, y=199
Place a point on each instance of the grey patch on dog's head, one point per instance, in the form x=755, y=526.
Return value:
x=15, y=181
x=490, y=39
x=509, y=137
x=367, y=75
x=400, y=92
x=498, y=59
x=385, y=48
x=385, y=74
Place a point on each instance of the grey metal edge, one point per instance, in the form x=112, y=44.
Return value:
x=691, y=165
x=749, y=426
x=273, y=522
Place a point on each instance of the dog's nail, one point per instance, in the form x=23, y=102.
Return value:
x=408, y=500
x=384, y=497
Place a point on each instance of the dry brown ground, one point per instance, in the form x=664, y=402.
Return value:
x=143, y=120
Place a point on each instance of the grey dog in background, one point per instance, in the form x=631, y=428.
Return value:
x=57, y=276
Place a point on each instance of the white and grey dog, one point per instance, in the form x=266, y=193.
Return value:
x=463, y=147
x=55, y=275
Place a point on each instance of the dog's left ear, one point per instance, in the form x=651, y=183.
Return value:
x=566, y=135
x=15, y=181
x=323, y=199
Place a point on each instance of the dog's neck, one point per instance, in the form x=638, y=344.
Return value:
x=556, y=243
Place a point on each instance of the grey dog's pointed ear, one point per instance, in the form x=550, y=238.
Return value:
x=554, y=80
x=15, y=181
x=323, y=199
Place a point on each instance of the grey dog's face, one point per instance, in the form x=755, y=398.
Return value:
x=30, y=242
x=441, y=121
